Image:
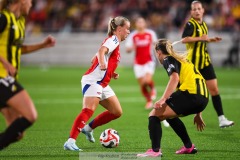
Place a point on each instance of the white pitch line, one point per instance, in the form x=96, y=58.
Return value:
x=122, y=100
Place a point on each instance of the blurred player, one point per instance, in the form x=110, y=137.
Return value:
x=15, y=103
x=95, y=86
x=141, y=41
x=196, y=39
x=186, y=93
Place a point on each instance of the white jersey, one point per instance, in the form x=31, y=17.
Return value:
x=112, y=58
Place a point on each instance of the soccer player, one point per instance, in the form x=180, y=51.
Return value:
x=186, y=93
x=15, y=103
x=95, y=84
x=196, y=39
x=141, y=41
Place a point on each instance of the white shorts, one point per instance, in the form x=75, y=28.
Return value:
x=142, y=70
x=96, y=90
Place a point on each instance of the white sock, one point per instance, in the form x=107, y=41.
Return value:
x=87, y=128
x=222, y=117
x=71, y=140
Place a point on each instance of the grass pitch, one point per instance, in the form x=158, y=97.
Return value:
x=56, y=92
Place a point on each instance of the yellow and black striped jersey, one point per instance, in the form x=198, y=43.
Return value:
x=189, y=77
x=198, y=53
x=12, y=34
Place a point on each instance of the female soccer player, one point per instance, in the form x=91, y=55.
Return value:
x=190, y=97
x=141, y=41
x=15, y=103
x=196, y=39
x=95, y=86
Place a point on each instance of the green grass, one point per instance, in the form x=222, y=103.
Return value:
x=56, y=92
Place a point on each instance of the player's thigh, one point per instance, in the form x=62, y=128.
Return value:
x=212, y=86
x=9, y=115
x=113, y=105
x=23, y=104
x=163, y=112
x=92, y=94
x=90, y=102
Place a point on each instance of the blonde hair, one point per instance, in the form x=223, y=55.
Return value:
x=167, y=48
x=114, y=23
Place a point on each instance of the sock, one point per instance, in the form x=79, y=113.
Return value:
x=102, y=119
x=151, y=85
x=15, y=130
x=180, y=129
x=145, y=93
x=80, y=122
x=88, y=128
x=155, y=132
x=217, y=103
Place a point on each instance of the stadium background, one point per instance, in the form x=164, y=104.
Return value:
x=80, y=26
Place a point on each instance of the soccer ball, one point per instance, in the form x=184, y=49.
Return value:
x=109, y=138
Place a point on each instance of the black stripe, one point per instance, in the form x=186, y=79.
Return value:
x=198, y=86
x=10, y=39
x=201, y=56
x=195, y=45
x=204, y=89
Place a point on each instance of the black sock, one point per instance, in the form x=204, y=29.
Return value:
x=180, y=129
x=12, y=133
x=155, y=132
x=217, y=104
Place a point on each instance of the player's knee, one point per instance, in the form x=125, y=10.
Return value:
x=214, y=91
x=118, y=113
x=32, y=117
x=162, y=117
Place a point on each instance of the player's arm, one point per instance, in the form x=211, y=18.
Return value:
x=100, y=55
x=173, y=69
x=49, y=41
x=171, y=87
x=187, y=36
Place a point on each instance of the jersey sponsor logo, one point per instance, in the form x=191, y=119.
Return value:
x=115, y=40
x=99, y=93
x=170, y=67
x=143, y=42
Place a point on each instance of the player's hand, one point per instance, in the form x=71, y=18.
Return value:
x=49, y=41
x=215, y=39
x=159, y=104
x=199, y=122
x=12, y=71
x=103, y=67
x=115, y=75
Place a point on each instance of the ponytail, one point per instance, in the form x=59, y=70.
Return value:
x=167, y=48
x=114, y=23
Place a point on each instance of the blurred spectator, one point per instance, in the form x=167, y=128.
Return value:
x=93, y=15
x=233, y=54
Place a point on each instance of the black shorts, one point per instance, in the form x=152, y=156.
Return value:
x=8, y=88
x=208, y=72
x=183, y=103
